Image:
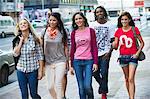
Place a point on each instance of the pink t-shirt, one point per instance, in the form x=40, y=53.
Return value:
x=83, y=44
x=127, y=41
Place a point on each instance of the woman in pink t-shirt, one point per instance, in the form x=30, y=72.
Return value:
x=84, y=54
x=129, y=53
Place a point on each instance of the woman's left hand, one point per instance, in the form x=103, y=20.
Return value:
x=134, y=56
x=40, y=74
x=95, y=67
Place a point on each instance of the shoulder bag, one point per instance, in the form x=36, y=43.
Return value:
x=141, y=55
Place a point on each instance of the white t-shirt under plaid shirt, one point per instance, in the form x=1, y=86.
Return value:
x=31, y=53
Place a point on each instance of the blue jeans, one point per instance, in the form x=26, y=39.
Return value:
x=30, y=79
x=83, y=71
x=101, y=75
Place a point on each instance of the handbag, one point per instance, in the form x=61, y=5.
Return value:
x=141, y=55
x=14, y=43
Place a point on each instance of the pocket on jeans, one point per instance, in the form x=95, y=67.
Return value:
x=135, y=60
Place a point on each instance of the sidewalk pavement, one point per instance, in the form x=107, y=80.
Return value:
x=117, y=89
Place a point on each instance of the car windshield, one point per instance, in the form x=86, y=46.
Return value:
x=5, y=22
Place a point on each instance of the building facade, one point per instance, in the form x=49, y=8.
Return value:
x=44, y=4
x=11, y=8
x=114, y=7
x=67, y=7
x=40, y=4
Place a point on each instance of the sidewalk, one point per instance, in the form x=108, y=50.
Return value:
x=117, y=88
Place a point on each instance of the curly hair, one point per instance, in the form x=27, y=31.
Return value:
x=104, y=10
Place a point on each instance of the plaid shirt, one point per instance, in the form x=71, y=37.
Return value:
x=31, y=53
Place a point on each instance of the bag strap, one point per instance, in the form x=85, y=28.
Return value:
x=135, y=36
x=43, y=38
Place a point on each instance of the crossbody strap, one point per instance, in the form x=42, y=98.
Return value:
x=135, y=36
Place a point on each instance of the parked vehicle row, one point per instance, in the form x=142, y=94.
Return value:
x=38, y=23
x=7, y=66
x=7, y=26
x=136, y=18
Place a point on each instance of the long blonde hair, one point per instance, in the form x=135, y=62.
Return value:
x=31, y=30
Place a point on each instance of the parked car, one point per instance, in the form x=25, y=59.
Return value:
x=7, y=66
x=7, y=26
x=38, y=23
x=136, y=18
x=69, y=29
x=148, y=17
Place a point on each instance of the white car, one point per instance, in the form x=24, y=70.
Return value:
x=38, y=23
x=68, y=29
x=7, y=26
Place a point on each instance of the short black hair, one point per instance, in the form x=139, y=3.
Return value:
x=104, y=10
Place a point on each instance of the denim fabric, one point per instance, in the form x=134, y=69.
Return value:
x=30, y=79
x=125, y=60
x=101, y=75
x=83, y=71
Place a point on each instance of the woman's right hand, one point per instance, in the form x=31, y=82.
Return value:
x=71, y=70
x=21, y=39
x=113, y=45
x=95, y=67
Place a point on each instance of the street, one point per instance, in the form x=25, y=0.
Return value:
x=116, y=84
x=6, y=44
x=115, y=70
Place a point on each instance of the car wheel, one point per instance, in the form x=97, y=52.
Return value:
x=4, y=72
x=3, y=35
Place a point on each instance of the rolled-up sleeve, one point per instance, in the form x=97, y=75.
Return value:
x=39, y=52
x=94, y=46
x=73, y=45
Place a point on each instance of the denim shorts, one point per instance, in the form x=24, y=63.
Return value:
x=126, y=60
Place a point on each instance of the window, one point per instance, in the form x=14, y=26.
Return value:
x=5, y=23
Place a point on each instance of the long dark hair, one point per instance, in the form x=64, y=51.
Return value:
x=131, y=23
x=104, y=10
x=60, y=26
x=74, y=25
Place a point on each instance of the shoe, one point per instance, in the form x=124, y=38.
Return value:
x=104, y=96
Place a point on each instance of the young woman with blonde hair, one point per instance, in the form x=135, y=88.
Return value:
x=29, y=67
